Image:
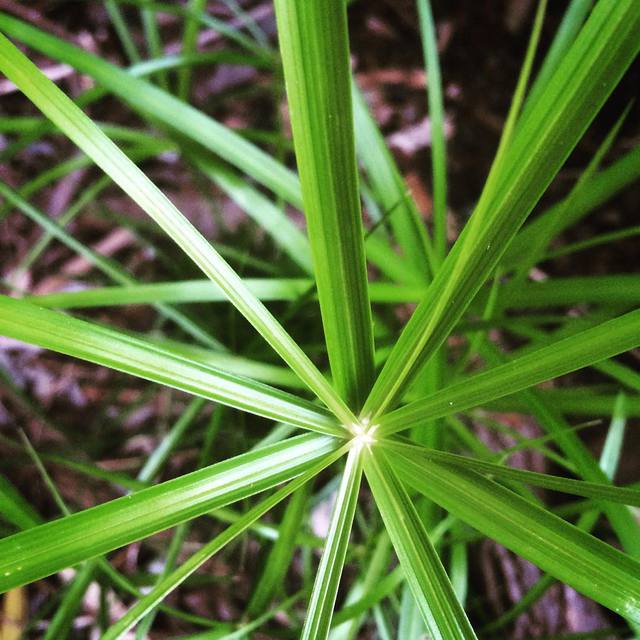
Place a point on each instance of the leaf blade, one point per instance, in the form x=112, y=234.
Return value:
x=95, y=531
x=432, y=589
x=588, y=565
x=588, y=346
x=325, y=587
x=48, y=329
x=84, y=133
x=315, y=54
x=541, y=143
x=175, y=578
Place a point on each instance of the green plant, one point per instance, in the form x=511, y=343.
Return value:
x=361, y=414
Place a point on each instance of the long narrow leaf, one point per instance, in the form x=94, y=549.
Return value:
x=279, y=558
x=598, y=491
x=393, y=194
x=436, y=118
x=610, y=181
x=427, y=578
x=50, y=547
x=174, y=579
x=604, y=49
x=315, y=54
x=621, y=290
x=164, y=107
x=325, y=588
x=52, y=330
x=585, y=348
x=110, y=268
x=588, y=565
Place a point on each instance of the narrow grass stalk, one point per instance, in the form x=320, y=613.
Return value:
x=154, y=43
x=189, y=41
x=394, y=196
x=110, y=268
x=598, y=491
x=272, y=578
x=120, y=26
x=436, y=118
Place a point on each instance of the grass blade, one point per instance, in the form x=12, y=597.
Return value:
x=392, y=192
x=604, y=185
x=315, y=53
x=177, y=292
x=543, y=239
x=506, y=136
x=325, y=588
x=271, y=218
x=436, y=116
x=588, y=565
x=14, y=508
x=612, y=447
x=275, y=568
x=121, y=29
x=621, y=290
x=622, y=520
x=431, y=588
x=572, y=353
x=410, y=621
x=110, y=268
x=152, y=102
x=371, y=576
x=50, y=330
x=573, y=19
x=189, y=42
x=77, y=126
x=604, y=49
x=163, y=107
x=45, y=549
x=154, y=43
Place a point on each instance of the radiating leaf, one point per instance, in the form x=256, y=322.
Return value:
x=325, y=587
x=599, y=491
x=590, y=566
x=175, y=578
x=604, y=49
x=315, y=54
x=75, y=124
x=45, y=549
x=584, y=348
x=52, y=330
x=427, y=578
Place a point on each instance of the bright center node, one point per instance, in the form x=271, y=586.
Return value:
x=363, y=434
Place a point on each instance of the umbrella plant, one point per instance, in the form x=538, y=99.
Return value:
x=389, y=418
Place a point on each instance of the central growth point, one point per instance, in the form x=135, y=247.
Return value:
x=363, y=434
